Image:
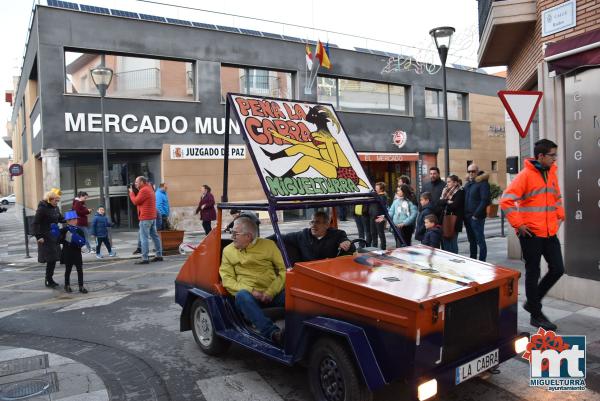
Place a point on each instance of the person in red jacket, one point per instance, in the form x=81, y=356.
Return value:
x=206, y=208
x=532, y=203
x=82, y=211
x=145, y=201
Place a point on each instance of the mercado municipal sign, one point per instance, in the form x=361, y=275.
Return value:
x=146, y=124
x=299, y=148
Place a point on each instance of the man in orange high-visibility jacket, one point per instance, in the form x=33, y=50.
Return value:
x=532, y=203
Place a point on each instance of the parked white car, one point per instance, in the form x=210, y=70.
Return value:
x=8, y=199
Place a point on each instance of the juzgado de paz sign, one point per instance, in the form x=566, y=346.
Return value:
x=300, y=148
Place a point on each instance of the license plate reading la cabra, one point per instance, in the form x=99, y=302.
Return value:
x=476, y=366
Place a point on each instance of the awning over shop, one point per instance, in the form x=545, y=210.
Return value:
x=387, y=157
x=581, y=51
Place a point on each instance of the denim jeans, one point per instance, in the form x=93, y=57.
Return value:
x=159, y=221
x=86, y=232
x=476, y=237
x=450, y=244
x=251, y=309
x=100, y=241
x=533, y=249
x=148, y=228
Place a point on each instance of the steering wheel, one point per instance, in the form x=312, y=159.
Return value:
x=341, y=252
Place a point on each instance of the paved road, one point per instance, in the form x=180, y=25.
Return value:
x=127, y=330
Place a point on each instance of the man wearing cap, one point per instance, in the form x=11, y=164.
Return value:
x=145, y=202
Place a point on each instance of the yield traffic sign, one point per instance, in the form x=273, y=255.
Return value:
x=521, y=107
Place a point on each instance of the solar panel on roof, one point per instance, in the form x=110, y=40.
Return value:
x=63, y=4
x=202, y=25
x=272, y=35
x=179, y=21
x=250, y=32
x=362, y=50
x=379, y=53
x=227, y=29
x=149, y=17
x=292, y=38
x=94, y=9
x=121, y=13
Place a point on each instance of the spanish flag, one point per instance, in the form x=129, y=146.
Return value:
x=309, y=58
x=323, y=56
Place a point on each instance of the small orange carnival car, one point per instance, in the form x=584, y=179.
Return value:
x=414, y=315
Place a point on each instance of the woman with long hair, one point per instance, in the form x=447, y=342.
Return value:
x=452, y=203
x=206, y=208
x=404, y=213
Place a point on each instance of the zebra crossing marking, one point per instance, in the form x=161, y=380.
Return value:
x=93, y=302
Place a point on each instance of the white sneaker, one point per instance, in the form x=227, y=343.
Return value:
x=112, y=254
x=98, y=256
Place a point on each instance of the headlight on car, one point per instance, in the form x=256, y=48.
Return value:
x=521, y=344
x=427, y=390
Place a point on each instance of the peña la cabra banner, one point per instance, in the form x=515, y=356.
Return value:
x=300, y=148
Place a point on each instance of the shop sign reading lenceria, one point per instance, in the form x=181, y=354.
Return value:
x=299, y=148
x=180, y=152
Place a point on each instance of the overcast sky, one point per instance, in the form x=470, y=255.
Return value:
x=399, y=22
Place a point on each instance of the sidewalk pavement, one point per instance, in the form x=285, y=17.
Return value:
x=571, y=318
x=34, y=375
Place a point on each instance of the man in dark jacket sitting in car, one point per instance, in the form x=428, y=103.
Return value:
x=319, y=241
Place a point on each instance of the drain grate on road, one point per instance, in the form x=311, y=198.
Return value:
x=28, y=388
x=22, y=365
x=24, y=389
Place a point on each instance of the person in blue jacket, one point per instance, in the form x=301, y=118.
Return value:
x=404, y=213
x=477, y=197
x=427, y=208
x=433, y=232
x=162, y=207
x=99, y=228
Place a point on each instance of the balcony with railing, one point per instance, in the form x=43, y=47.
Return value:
x=503, y=26
x=142, y=82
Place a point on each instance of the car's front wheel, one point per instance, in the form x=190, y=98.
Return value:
x=333, y=375
x=4, y=202
x=204, y=330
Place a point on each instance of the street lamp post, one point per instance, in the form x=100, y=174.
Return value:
x=102, y=77
x=441, y=37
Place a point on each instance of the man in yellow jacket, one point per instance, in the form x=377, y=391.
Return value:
x=532, y=203
x=253, y=271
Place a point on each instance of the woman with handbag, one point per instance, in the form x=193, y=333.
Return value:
x=206, y=208
x=452, y=204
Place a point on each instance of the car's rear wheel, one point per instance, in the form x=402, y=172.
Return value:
x=333, y=375
x=204, y=330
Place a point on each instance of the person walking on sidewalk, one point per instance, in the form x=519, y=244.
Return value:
x=477, y=197
x=82, y=216
x=162, y=207
x=46, y=231
x=206, y=208
x=532, y=204
x=145, y=202
x=100, y=226
x=72, y=238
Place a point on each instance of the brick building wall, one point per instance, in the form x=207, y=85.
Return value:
x=522, y=69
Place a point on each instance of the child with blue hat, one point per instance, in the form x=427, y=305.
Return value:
x=72, y=238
